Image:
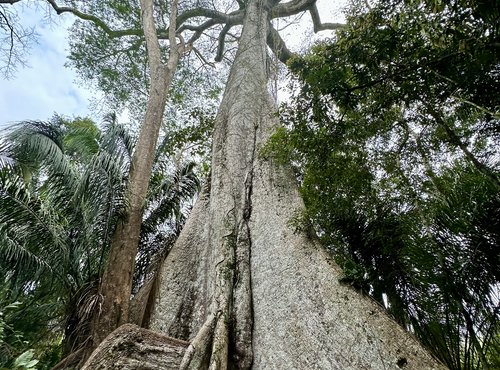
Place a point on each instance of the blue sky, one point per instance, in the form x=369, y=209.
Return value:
x=45, y=86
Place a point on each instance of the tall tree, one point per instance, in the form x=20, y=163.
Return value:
x=241, y=285
x=116, y=285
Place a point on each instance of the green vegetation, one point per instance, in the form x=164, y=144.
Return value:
x=61, y=197
x=394, y=131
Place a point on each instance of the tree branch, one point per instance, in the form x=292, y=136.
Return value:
x=221, y=41
x=198, y=30
x=277, y=44
x=235, y=17
x=175, y=50
x=202, y=58
x=215, y=17
x=291, y=8
x=152, y=44
x=97, y=21
x=457, y=141
x=318, y=26
x=297, y=6
x=12, y=36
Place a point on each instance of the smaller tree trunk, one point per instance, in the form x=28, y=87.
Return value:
x=116, y=285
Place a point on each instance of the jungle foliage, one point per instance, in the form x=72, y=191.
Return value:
x=394, y=131
x=62, y=187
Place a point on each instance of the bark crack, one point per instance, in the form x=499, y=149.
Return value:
x=241, y=351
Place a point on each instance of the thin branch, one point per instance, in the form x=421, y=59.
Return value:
x=457, y=141
x=495, y=115
x=198, y=30
x=202, y=58
x=97, y=21
x=12, y=35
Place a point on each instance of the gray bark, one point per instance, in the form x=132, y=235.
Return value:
x=240, y=284
x=131, y=347
x=116, y=285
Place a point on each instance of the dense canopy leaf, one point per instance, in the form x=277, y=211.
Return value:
x=394, y=132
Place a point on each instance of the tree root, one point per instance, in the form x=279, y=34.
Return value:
x=131, y=347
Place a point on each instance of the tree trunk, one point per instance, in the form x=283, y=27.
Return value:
x=116, y=285
x=240, y=284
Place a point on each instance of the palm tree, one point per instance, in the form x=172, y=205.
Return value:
x=62, y=193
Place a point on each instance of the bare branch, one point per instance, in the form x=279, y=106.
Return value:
x=12, y=36
x=215, y=17
x=291, y=8
x=221, y=41
x=202, y=58
x=297, y=6
x=318, y=26
x=233, y=17
x=198, y=30
x=14, y=41
x=277, y=45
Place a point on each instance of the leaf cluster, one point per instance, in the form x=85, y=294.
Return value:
x=62, y=194
x=393, y=130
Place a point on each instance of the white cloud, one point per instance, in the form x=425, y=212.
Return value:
x=46, y=86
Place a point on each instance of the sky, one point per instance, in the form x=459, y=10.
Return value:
x=46, y=86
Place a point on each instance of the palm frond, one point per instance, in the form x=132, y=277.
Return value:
x=166, y=198
x=37, y=145
x=22, y=213
x=6, y=159
x=117, y=139
x=81, y=138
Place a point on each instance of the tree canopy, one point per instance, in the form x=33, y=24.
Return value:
x=394, y=132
